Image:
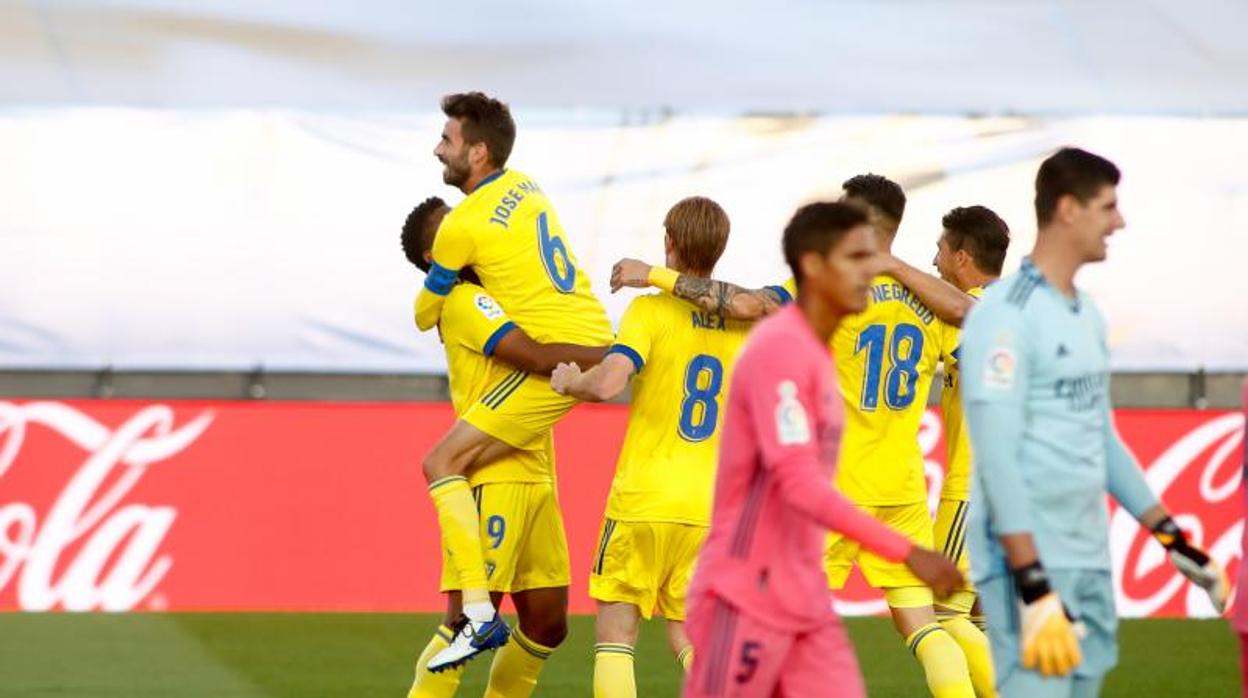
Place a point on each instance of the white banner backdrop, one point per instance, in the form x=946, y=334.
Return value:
x=232, y=239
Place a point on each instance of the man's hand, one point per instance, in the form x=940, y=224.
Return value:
x=563, y=377
x=1050, y=641
x=1194, y=563
x=935, y=570
x=633, y=273
x=888, y=264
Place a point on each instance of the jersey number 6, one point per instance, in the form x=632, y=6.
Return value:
x=555, y=257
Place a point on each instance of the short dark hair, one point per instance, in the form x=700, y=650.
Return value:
x=982, y=233
x=880, y=192
x=817, y=228
x=483, y=120
x=417, y=237
x=1074, y=172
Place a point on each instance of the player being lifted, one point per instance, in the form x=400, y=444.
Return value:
x=508, y=232
x=525, y=549
x=660, y=502
x=886, y=358
x=969, y=254
x=1035, y=383
x=760, y=615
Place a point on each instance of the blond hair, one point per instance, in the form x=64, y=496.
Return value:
x=698, y=228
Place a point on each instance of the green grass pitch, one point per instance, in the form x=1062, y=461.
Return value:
x=262, y=655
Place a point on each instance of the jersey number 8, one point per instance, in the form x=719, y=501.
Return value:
x=905, y=350
x=555, y=257
x=699, y=412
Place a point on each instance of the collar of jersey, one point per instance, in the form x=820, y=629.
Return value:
x=1028, y=268
x=497, y=173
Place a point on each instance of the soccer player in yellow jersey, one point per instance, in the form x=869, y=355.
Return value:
x=886, y=359
x=660, y=503
x=508, y=232
x=969, y=254
x=522, y=536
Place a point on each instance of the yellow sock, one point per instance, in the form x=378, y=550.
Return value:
x=943, y=662
x=516, y=666
x=440, y=685
x=613, y=671
x=978, y=655
x=685, y=658
x=461, y=535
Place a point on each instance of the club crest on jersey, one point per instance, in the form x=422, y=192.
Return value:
x=1000, y=368
x=488, y=307
x=792, y=425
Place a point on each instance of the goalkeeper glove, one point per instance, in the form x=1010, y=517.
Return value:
x=1193, y=562
x=1050, y=642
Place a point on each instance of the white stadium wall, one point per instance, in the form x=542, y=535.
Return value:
x=234, y=239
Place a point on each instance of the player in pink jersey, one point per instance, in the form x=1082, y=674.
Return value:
x=760, y=614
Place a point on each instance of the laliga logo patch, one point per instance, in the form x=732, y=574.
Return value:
x=792, y=426
x=488, y=307
x=999, y=371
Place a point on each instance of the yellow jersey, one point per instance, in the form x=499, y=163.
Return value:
x=471, y=325
x=683, y=358
x=885, y=358
x=507, y=231
x=957, y=441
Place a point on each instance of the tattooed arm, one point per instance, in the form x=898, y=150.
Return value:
x=719, y=297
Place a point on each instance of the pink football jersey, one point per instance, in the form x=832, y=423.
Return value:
x=774, y=499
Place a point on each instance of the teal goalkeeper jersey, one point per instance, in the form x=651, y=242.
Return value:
x=1035, y=383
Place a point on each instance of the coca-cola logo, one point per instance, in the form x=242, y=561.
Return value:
x=88, y=550
x=1198, y=479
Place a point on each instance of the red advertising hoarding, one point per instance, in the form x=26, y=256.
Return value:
x=191, y=505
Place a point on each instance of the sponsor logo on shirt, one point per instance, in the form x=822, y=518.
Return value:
x=792, y=424
x=488, y=307
x=1000, y=368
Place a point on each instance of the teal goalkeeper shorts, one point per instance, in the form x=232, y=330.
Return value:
x=1089, y=595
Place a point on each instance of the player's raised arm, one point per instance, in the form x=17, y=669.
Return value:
x=949, y=303
x=719, y=297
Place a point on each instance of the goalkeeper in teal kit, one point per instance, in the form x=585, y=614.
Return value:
x=1035, y=382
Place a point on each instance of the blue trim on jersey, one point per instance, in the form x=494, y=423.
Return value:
x=785, y=297
x=489, y=178
x=440, y=280
x=629, y=352
x=492, y=343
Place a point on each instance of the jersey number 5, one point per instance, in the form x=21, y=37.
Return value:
x=555, y=256
x=905, y=350
x=699, y=412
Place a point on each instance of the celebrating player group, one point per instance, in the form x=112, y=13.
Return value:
x=772, y=439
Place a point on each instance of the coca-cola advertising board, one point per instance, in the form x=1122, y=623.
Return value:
x=190, y=505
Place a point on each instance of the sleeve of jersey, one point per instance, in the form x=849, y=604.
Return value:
x=635, y=335
x=452, y=250
x=993, y=370
x=485, y=323
x=782, y=410
x=1126, y=480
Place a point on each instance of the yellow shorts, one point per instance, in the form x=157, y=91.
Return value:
x=950, y=538
x=646, y=564
x=913, y=521
x=522, y=537
x=520, y=410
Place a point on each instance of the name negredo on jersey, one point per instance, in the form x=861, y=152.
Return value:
x=895, y=292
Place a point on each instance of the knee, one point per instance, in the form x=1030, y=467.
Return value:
x=549, y=632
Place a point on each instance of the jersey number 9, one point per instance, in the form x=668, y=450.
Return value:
x=555, y=257
x=905, y=350
x=699, y=412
